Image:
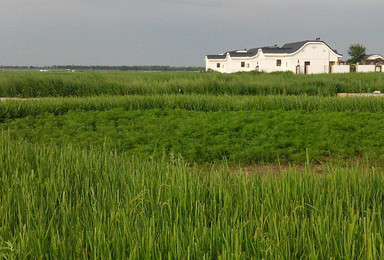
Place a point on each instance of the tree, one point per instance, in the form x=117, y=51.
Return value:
x=357, y=53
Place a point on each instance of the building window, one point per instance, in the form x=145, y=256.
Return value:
x=278, y=63
x=218, y=65
x=242, y=64
x=247, y=65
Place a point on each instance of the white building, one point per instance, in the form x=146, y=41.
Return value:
x=305, y=57
x=373, y=59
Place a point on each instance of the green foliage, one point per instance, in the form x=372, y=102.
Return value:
x=147, y=174
x=357, y=53
x=245, y=137
x=28, y=84
x=68, y=203
x=59, y=106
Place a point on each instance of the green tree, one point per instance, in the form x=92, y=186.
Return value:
x=357, y=53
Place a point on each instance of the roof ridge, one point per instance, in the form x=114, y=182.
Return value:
x=287, y=48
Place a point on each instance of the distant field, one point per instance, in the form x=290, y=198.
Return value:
x=243, y=166
x=54, y=84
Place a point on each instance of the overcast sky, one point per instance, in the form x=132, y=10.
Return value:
x=176, y=32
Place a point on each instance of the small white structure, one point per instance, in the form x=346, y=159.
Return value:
x=373, y=59
x=305, y=57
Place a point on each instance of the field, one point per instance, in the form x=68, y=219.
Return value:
x=32, y=84
x=243, y=166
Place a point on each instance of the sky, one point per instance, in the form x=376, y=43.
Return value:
x=176, y=32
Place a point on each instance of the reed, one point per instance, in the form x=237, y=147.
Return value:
x=53, y=84
x=66, y=202
x=207, y=103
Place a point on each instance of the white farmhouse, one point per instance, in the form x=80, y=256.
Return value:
x=305, y=57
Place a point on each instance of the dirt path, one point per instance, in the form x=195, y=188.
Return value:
x=17, y=99
x=9, y=98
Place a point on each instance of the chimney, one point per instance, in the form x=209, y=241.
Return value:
x=318, y=39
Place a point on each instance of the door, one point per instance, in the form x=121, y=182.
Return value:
x=306, y=64
x=331, y=64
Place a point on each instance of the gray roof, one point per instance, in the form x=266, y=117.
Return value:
x=285, y=49
x=217, y=57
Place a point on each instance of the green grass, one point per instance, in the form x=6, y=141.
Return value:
x=64, y=202
x=123, y=168
x=244, y=137
x=206, y=103
x=36, y=84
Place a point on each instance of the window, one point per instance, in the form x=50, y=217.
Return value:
x=242, y=64
x=218, y=65
x=278, y=63
x=247, y=65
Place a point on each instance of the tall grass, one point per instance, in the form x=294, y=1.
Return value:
x=64, y=202
x=102, y=177
x=58, y=106
x=36, y=84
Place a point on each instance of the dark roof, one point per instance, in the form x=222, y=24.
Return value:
x=285, y=49
x=217, y=57
x=245, y=53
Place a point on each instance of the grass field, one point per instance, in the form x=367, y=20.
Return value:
x=245, y=137
x=55, y=84
x=206, y=103
x=244, y=166
x=64, y=202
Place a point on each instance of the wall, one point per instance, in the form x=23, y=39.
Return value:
x=234, y=64
x=269, y=64
x=341, y=69
x=212, y=64
x=319, y=56
x=319, y=69
x=365, y=68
